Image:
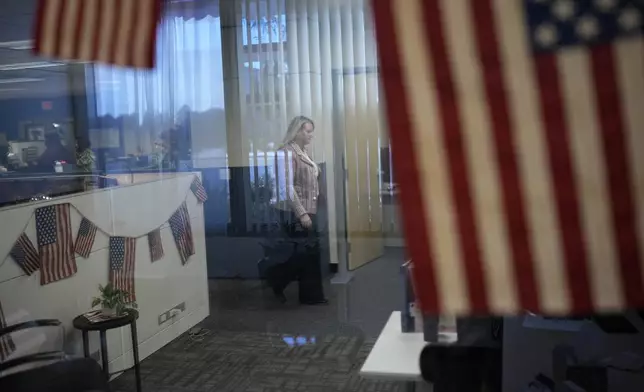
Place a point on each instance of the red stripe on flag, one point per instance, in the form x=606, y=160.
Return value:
x=405, y=160
x=459, y=174
x=69, y=261
x=153, y=31
x=99, y=21
x=78, y=33
x=184, y=233
x=134, y=31
x=39, y=26
x=127, y=33
x=61, y=269
x=114, y=39
x=60, y=23
x=60, y=265
x=513, y=197
x=609, y=108
x=132, y=266
x=189, y=237
x=128, y=277
x=565, y=185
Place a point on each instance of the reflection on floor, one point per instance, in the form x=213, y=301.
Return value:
x=254, y=344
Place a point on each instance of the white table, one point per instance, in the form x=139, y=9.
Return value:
x=396, y=355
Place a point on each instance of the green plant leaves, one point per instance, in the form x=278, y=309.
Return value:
x=113, y=298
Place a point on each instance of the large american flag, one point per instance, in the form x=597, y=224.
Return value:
x=120, y=32
x=122, y=253
x=55, y=243
x=25, y=254
x=182, y=232
x=156, y=245
x=515, y=129
x=7, y=346
x=85, y=238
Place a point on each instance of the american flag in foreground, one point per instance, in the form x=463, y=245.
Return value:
x=199, y=191
x=85, y=238
x=122, y=259
x=25, y=254
x=120, y=32
x=182, y=232
x=55, y=243
x=156, y=246
x=7, y=346
x=515, y=128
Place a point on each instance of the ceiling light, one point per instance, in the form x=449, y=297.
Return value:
x=17, y=45
x=20, y=80
x=26, y=46
x=31, y=65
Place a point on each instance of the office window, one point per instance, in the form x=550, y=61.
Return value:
x=167, y=110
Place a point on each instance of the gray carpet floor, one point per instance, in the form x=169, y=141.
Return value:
x=255, y=344
x=256, y=362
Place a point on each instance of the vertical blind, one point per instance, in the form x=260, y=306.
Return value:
x=286, y=67
x=285, y=58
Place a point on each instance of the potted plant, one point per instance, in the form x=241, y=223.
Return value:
x=114, y=302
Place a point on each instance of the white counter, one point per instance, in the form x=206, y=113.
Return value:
x=396, y=355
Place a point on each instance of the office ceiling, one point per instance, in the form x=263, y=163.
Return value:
x=22, y=74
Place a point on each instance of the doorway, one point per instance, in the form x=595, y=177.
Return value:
x=357, y=130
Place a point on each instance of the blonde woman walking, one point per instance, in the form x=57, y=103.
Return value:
x=297, y=207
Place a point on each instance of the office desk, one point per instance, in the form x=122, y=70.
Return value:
x=395, y=356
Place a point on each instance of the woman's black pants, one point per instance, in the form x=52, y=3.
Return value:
x=304, y=263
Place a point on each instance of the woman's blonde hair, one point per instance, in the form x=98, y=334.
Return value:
x=294, y=127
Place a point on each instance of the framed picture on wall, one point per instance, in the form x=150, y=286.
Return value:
x=32, y=131
x=36, y=133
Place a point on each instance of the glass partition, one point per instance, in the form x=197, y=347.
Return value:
x=230, y=220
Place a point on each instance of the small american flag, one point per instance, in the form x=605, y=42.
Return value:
x=85, y=238
x=120, y=32
x=55, y=243
x=7, y=346
x=198, y=190
x=25, y=254
x=182, y=232
x=122, y=260
x=516, y=131
x=156, y=246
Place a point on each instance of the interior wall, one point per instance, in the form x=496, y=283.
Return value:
x=126, y=211
x=293, y=76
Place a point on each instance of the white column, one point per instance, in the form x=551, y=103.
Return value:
x=231, y=42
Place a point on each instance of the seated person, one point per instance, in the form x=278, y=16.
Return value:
x=54, y=151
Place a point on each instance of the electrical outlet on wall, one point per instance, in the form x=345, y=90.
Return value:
x=163, y=317
x=172, y=313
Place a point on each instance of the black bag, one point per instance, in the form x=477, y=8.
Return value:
x=275, y=252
